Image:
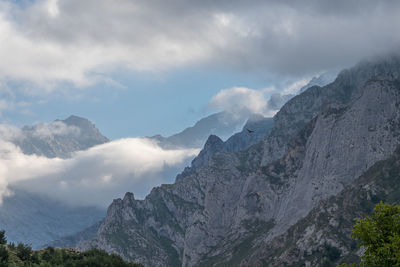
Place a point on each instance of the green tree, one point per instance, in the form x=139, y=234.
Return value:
x=3, y=255
x=379, y=234
x=3, y=240
x=35, y=257
x=24, y=251
x=11, y=246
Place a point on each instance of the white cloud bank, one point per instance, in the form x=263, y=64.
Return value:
x=92, y=177
x=242, y=102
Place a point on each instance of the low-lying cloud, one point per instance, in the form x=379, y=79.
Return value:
x=40, y=130
x=95, y=176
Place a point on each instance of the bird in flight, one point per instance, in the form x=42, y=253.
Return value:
x=250, y=131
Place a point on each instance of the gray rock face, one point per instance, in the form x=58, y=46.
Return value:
x=304, y=107
x=322, y=238
x=59, y=138
x=321, y=141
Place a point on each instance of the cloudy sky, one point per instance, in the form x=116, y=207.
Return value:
x=139, y=68
x=145, y=67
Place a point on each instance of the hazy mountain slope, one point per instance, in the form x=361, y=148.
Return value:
x=260, y=127
x=37, y=220
x=70, y=241
x=321, y=80
x=322, y=238
x=221, y=124
x=321, y=141
x=59, y=138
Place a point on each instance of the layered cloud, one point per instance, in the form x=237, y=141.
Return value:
x=11, y=133
x=95, y=176
x=45, y=130
x=82, y=42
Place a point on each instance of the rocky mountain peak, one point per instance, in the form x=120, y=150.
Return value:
x=79, y=122
x=60, y=138
x=128, y=197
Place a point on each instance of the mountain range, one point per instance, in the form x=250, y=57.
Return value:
x=248, y=206
x=39, y=220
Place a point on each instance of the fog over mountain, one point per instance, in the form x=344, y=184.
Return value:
x=198, y=133
x=62, y=159
x=137, y=163
x=35, y=218
x=55, y=166
x=45, y=195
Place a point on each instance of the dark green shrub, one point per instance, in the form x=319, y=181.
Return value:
x=3, y=240
x=3, y=254
x=11, y=246
x=24, y=251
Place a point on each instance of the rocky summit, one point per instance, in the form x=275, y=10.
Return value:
x=241, y=206
x=59, y=138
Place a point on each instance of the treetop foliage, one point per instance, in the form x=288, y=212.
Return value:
x=379, y=234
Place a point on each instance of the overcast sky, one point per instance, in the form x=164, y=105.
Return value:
x=155, y=65
x=140, y=68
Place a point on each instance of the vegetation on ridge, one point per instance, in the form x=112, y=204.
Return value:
x=23, y=255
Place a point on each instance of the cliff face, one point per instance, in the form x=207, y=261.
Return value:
x=322, y=238
x=321, y=141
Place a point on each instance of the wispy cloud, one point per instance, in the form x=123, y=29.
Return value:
x=46, y=130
